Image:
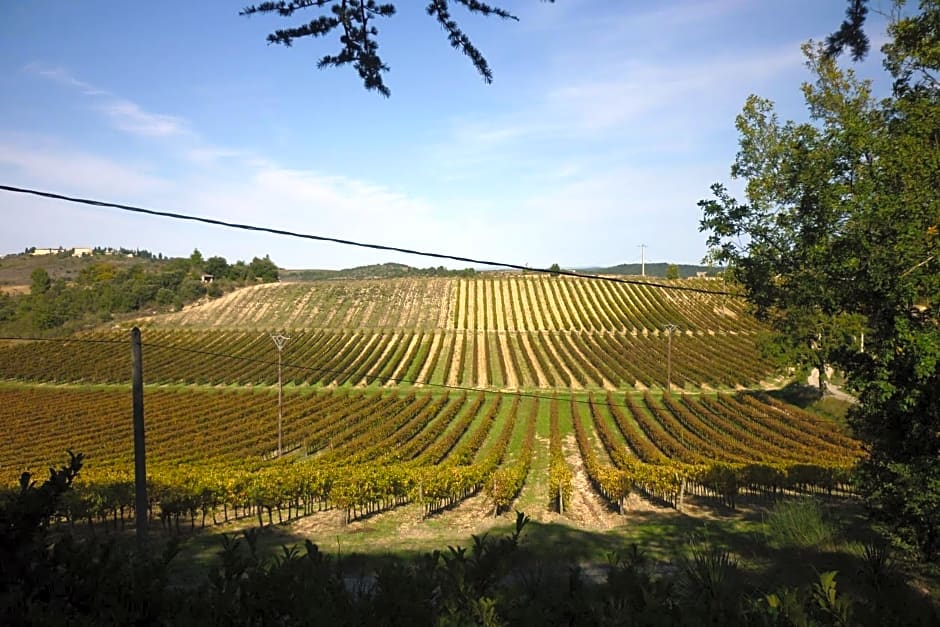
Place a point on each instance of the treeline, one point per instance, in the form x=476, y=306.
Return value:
x=104, y=289
x=375, y=271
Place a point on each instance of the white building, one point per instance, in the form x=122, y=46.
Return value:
x=47, y=251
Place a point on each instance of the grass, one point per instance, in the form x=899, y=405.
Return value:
x=671, y=540
x=799, y=523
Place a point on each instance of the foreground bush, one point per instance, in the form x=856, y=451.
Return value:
x=51, y=577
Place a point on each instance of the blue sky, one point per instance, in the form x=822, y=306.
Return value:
x=606, y=122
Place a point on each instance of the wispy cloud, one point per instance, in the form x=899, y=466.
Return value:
x=131, y=118
x=61, y=76
x=35, y=160
x=123, y=114
x=621, y=94
x=615, y=112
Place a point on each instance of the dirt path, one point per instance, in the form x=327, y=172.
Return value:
x=405, y=361
x=511, y=378
x=425, y=374
x=586, y=509
x=831, y=389
x=403, y=527
x=480, y=344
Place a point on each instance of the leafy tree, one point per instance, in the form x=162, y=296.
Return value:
x=196, y=261
x=238, y=271
x=672, y=271
x=263, y=269
x=7, y=307
x=39, y=282
x=217, y=267
x=839, y=236
x=555, y=269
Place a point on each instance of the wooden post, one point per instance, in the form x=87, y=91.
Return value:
x=140, y=463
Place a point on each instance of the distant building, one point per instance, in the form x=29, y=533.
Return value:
x=82, y=252
x=207, y=278
x=701, y=275
x=47, y=251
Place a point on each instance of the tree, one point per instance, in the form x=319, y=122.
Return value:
x=555, y=269
x=355, y=20
x=39, y=282
x=196, y=261
x=263, y=269
x=839, y=237
x=217, y=267
x=672, y=271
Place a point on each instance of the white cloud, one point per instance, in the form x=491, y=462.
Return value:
x=51, y=165
x=123, y=114
x=130, y=117
x=61, y=76
x=634, y=91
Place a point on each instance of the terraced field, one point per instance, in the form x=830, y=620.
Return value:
x=506, y=333
x=422, y=391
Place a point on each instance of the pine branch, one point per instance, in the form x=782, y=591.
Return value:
x=358, y=38
x=851, y=33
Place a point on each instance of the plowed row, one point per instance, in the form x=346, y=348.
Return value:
x=367, y=450
x=502, y=360
x=498, y=302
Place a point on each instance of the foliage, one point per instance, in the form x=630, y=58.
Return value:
x=52, y=575
x=798, y=523
x=39, y=282
x=672, y=272
x=839, y=237
x=355, y=20
x=102, y=289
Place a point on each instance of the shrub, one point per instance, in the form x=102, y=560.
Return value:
x=798, y=523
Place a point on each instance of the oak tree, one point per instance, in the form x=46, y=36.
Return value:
x=837, y=239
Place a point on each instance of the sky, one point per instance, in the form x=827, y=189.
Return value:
x=606, y=122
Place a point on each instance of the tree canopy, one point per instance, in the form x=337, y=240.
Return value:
x=839, y=239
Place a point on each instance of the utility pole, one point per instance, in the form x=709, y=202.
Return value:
x=670, y=329
x=279, y=341
x=141, y=504
x=642, y=259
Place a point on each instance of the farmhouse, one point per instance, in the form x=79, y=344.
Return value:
x=47, y=251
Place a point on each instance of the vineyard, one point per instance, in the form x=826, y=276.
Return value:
x=422, y=392
x=510, y=333
x=368, y=450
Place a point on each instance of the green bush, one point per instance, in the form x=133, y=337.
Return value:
x=799, y=523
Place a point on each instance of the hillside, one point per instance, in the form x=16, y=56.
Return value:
x=15, y=270
x=497, y=332
x=656, y=270
x=422, y=394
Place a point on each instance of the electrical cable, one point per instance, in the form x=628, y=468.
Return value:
x=346, y=242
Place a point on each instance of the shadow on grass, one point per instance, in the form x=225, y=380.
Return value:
x=907, y=591
x=799, y=394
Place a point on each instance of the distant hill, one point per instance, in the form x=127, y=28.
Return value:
x=654, y=269
x=398, y=270
x=15, y=269
x=374, y=271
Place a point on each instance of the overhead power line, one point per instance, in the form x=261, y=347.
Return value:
x=346, y=242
